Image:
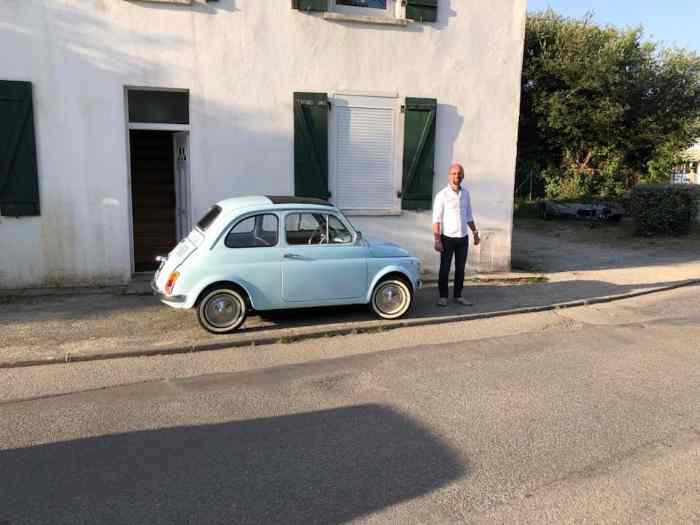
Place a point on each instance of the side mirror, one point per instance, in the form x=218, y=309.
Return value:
x=358, y=235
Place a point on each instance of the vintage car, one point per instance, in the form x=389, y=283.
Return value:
x=599, y=211
x=270, y=253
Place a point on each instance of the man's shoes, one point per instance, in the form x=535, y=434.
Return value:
x=463, y=301
x=442, y=302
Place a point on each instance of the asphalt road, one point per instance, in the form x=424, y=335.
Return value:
x=584, y=415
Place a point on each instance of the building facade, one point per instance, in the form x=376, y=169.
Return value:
x=688, y=171
x=123, y=121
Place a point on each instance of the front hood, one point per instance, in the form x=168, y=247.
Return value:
x=386, y=249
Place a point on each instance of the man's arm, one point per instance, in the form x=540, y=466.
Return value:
x=470, y=221
x=436, y=233
x=438, y=209
x=475, y=232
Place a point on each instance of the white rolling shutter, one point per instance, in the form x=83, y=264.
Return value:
x=364, y=156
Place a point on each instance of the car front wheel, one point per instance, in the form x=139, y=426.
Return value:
x=391, y=298
x=222, y=311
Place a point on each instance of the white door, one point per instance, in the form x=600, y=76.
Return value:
x=182, y=177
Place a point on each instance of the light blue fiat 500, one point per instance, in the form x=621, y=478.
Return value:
x=270, y=253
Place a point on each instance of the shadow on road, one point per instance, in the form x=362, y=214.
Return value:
x=317, y=467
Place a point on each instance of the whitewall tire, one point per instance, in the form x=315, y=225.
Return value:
x=391, y=298
x=222, y=311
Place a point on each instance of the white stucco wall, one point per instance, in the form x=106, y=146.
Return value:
x=241, y=60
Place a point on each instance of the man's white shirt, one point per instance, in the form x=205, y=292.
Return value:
x=453, y=210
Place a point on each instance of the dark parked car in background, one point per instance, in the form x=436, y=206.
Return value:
x=603, y=211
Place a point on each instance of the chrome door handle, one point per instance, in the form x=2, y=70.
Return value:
x=292, y=256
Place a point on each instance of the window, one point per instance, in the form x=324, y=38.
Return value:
x=372, y=4
x=393, y=12
x=164, y=107
x=209, y=217
x=366, y=171
x=258, y=231
x=337, y=232
x=364, y=163
x=305, y=228
x=365, y=7
x=185, y=2
x=315, y=228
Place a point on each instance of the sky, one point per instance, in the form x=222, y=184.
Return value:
x=673, y=22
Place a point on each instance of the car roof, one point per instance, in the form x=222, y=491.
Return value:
x=254, y=201
x=244, y=202
x=290, y=199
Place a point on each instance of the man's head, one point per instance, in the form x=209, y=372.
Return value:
x=455, y=175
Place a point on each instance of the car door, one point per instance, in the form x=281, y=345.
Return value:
x=250, y=255
x=322, y=262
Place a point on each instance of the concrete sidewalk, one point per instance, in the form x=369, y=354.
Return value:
x=79, y=325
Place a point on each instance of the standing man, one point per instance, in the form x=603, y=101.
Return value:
x=452, y=213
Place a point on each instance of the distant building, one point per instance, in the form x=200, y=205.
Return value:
x=122, y=121
x=688, y=171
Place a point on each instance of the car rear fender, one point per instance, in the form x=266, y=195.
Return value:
x=386, y=270
x=212, y=279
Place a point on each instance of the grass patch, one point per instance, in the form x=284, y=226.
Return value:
x=525, y=267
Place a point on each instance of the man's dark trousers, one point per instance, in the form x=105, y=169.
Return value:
x=459, y=246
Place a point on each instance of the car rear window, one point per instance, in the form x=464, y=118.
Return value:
x=209, y=217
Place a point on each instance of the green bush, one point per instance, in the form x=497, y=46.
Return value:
x=526, y=209
x=664, y=209
x=625, y=200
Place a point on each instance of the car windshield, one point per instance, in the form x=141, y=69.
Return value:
x=209, y=217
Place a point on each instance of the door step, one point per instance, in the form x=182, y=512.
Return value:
x=140, y=284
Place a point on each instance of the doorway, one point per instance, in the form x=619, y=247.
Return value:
x=158, y=193
x=159, y=130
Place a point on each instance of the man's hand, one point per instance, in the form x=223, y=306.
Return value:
x=438, y=245
x=477, y=239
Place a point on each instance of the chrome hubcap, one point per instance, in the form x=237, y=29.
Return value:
x=222, y=310
x=390, y=299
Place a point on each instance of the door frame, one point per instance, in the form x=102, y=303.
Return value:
x=155, y=126
x=183, y=217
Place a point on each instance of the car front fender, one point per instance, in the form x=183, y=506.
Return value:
x=392, y=268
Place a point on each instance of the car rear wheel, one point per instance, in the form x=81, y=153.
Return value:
x=391, y=298
x=222, y=311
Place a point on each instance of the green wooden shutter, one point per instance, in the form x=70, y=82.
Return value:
x=422, y=10
x=419, y=153
x=19, y=185
x=310, y=5
x=311, y=145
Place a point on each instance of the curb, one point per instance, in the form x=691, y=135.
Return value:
x=7, y=294
x=387, y=325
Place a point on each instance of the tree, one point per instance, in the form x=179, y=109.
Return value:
x=601, y=108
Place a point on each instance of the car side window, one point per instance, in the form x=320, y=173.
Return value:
x=305, y=228
x=257, y=231
x=337, y=232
